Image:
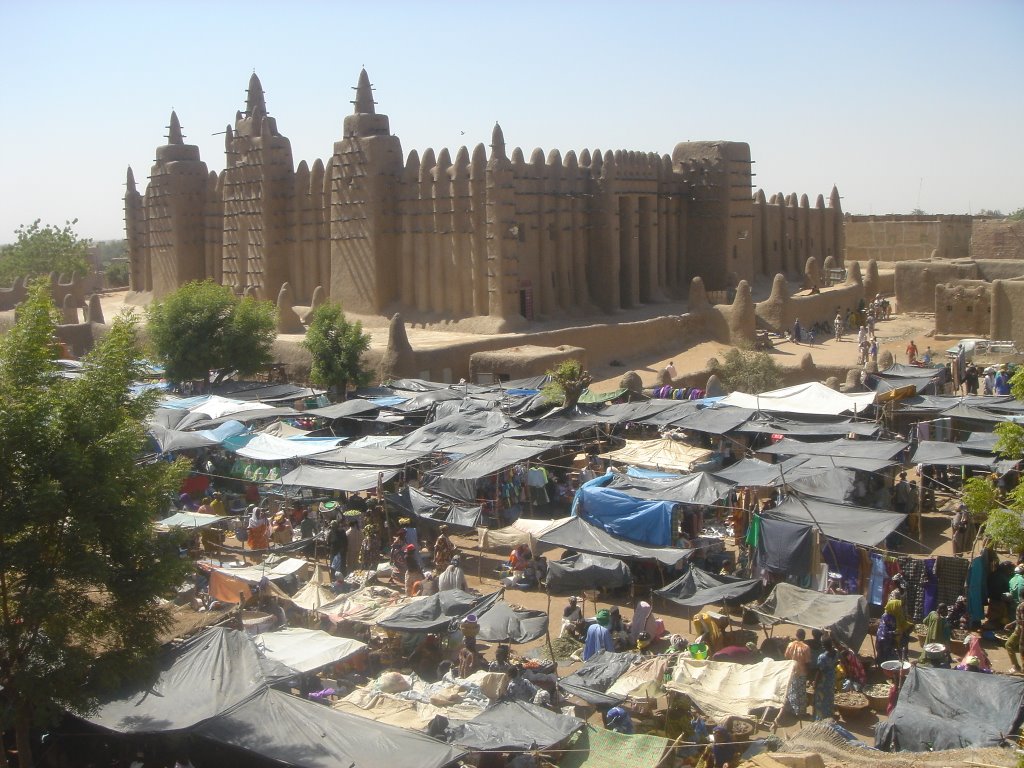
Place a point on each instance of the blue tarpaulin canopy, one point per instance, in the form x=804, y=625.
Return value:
x=640, y=520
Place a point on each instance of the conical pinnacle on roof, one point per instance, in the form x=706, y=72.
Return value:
x=255, y=100
x=174, y=130
x=364, y=95
x=497, y=141
x=130, y=181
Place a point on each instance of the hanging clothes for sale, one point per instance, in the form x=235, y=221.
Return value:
x=930, y=588
x=877, y=580
x=913, y=571
x=843, y=558
x=977, y=583
x=951, y=575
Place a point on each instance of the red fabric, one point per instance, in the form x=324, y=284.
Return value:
x=195, y=486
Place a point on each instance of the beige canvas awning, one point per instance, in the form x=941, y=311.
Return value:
x=665, y=453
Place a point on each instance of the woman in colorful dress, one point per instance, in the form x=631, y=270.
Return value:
x=825, y=682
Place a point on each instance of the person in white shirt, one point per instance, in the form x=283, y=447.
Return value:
x=670, y=369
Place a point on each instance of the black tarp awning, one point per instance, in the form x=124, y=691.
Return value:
x=433, y=613
x=206, y=676
x=842, y=448
x=434, y=509
x=846, y=616
x=348, y=409
x=459, y=478
x=503, y=623
x=938, y=453
x=699, y=488
x=369, y=457
x=514, y=725
x=251, y=391
x=980, y=442
x=714, y=420
x=562, y=425
x=579, y=535
x=843, y=522
x=294, y=731
x=586, y=571
x=200, y=421
x=949, y=709
x=751, y=473
x=336, y=478
x=697, y=587
x=597, y=674
x=775, y=426
x=654, y=412
x=455, y=434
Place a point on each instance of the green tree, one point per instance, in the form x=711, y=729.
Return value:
x=80, y=563
x=1017, y=215
x=117, y=274
x=40, y=250
x=205, y=327
x=336, y=346
x=748, y=371
x=568, y=383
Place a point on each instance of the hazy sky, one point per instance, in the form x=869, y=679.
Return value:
x=901, y=104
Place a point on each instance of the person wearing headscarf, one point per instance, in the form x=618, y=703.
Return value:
x=369, y=549
x=959, y=617
x=204, y=507
x=186, y=503
x=619, y=720
x=259, y=528
x=217, y=504
x=975, y=651
x=899, y=588
x=598, y=636
x=453, y=577
x=825, y=682
x=444, y=550
x=283, y=533
x=710, y=632
x=643, y=621
x=971, y=664
x=800, y=653
x=937, y=629
x=354, y=543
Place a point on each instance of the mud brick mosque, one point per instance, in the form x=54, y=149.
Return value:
x=484, y=233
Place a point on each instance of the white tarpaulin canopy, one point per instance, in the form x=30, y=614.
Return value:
x=813, y=399
x=722, y=688
x=254, y=574
x=189, y=520
x=306, y=649
x=522, y=531
x=269, y=448
x=664, y=453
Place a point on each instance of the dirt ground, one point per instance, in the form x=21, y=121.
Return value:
x=893, y=336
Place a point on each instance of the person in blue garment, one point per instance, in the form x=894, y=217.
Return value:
x=598, y=636
x=825, y=681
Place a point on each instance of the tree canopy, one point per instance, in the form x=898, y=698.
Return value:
x=336, y=346
x=568, y=383
x=205, y=327
x=80, y=562
x=40, y=250
x=748, y=371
